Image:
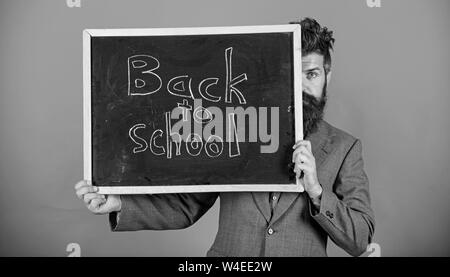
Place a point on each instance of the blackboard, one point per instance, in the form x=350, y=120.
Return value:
x=192, y=109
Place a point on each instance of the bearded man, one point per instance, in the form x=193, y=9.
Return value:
x=335, y=204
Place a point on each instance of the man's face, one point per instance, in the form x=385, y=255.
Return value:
x=314, y=91
x=313, y=75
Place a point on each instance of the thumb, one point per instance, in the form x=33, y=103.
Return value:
x=109, y=205
x=95, y=204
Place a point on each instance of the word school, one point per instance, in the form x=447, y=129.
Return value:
x=210, y=137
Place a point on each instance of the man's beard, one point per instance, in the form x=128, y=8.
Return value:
x=313, y=110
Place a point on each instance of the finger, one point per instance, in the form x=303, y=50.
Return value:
x=95, y=204
x=307, y=143
x=302, y=158
x=302, y=149
x=301, y=142
x=105, y=207
x=302, y=167
x=301, y=181
x=303, y=161
x=80, y=184
x=86, y=189
x=307, y=152
x=297, y=144
x=89, y=196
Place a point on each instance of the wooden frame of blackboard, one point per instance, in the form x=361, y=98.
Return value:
x=295, y=29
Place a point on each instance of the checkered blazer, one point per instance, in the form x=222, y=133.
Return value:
x=249, y=227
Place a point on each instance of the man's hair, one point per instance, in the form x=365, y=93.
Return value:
x=316, y=39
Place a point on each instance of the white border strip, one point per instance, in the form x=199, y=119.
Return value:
x=87, y=150
x=298, y=90
x=193, y=31
x=199, y=188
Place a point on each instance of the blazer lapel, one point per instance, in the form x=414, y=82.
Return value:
x=262, y=202
x=321, y=146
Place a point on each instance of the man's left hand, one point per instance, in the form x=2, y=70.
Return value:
x=306, y=163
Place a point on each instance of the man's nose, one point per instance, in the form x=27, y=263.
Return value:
x=305, y=84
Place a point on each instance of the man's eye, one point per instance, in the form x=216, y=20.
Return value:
x=311, y=75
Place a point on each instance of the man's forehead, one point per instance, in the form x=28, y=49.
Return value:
x=312, y=60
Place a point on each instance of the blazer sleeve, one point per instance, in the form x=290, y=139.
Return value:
x=160, y=211
x=345, y=213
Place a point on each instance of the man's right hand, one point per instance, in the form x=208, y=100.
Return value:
x=95, y=202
